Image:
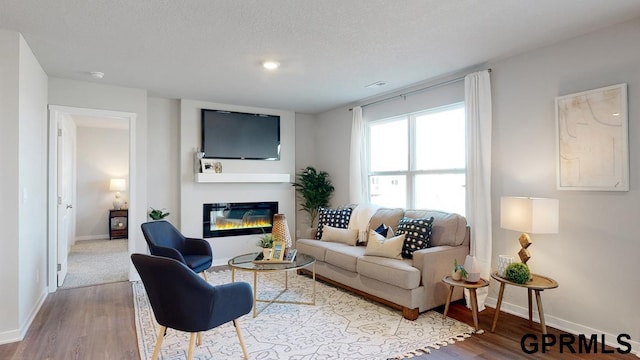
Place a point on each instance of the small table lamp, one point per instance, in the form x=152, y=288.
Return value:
x=117, y=185
x=528, y=215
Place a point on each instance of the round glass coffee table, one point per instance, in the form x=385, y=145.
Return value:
x=247, y=262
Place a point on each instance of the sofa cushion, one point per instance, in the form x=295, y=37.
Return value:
x=391, y=271
x=315, y=248
x=379, y=245
x=343, y=256
x=387, y=216
x=447, y=228
x=417, y=232
x=345, y=236
x=338, y=218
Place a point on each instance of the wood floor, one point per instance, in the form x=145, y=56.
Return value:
x=97, y=322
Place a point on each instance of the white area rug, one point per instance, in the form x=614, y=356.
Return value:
x=93, y=262
x=340, y=326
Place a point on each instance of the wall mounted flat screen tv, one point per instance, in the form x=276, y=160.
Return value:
x=236, y=135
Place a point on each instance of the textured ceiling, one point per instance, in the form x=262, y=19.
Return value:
x=329, y=49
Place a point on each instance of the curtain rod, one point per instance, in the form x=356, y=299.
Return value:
x=433, y=86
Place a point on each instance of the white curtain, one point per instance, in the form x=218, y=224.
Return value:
x=477, y=98
x=357, y=169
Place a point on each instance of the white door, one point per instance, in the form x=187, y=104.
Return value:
x=66, y=177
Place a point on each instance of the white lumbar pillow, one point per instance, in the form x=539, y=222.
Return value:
x=378, y=245
x=334, y=234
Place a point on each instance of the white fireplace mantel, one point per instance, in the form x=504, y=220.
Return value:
x=242, y=178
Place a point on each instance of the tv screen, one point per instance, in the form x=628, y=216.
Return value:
x=235, y=135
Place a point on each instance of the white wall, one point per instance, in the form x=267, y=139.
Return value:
x=33, y=184
x=193, y=195
x=305, y=156
x=92, y=95
x=594, y=257
x=23, y=103
x=163, y=169
x=9, y=185
x=101, y=154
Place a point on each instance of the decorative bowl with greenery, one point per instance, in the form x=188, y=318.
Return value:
x=315, y=189
x=518, y=273
x=156, y=214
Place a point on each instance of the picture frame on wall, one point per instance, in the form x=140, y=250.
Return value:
x=592, y=140
x=208, y=166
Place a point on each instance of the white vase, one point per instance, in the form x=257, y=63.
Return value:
x=472, y=268
x=266, y=253
x=503, y=262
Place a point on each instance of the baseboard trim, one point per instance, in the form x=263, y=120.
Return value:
x=19, y=334
x=92, y=237
x=559, y=323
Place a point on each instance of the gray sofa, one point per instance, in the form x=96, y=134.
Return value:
x=411, y=285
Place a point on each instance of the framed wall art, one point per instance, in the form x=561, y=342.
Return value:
x=592, y=140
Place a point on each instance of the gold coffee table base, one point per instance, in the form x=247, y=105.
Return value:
x=303, y=261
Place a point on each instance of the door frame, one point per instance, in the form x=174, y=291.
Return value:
x=56, y=112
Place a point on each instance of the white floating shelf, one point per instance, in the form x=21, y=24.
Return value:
x=242, y=178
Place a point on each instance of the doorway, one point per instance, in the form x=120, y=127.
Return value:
x=64, y=208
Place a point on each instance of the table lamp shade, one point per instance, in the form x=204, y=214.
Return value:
x=280, y=229
x=529, y=215
x=117, y=185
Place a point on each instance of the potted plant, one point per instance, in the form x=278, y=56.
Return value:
x=156, y=214
x=518, y=273
x=315, y=189
x=266, y=243
x=458, y=272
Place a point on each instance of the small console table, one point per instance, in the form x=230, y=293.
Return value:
x=118, y=224
x=538, y=283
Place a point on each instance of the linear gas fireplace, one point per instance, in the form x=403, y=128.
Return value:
x=231, y=219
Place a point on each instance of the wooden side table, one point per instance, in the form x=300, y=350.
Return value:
x=538, y=283
x=472, y=292
x=118, y=224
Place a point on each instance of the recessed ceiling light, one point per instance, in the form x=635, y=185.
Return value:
x=376, y=84
x=270, y=65
x=97, y=75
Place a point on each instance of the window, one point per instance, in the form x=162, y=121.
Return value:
x=418, y=160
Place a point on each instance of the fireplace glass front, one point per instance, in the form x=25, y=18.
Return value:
x=231, y=219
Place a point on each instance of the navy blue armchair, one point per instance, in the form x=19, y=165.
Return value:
x=182, y=300
x=165, y=240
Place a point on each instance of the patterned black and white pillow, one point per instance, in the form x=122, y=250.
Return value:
x=337, y=218
x=417, y=235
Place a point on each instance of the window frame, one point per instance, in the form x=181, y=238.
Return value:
x=411, y=173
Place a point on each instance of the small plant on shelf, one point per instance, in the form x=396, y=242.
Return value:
x=518, y=273
x=458, y=272
x=156, y=214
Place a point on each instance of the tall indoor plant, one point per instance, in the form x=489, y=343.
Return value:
x=315, y=189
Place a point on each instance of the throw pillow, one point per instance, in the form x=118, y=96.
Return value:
x=378, y=245
x=333, y=234
x=338, y=218
x=418, y=233
x=382, y=230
